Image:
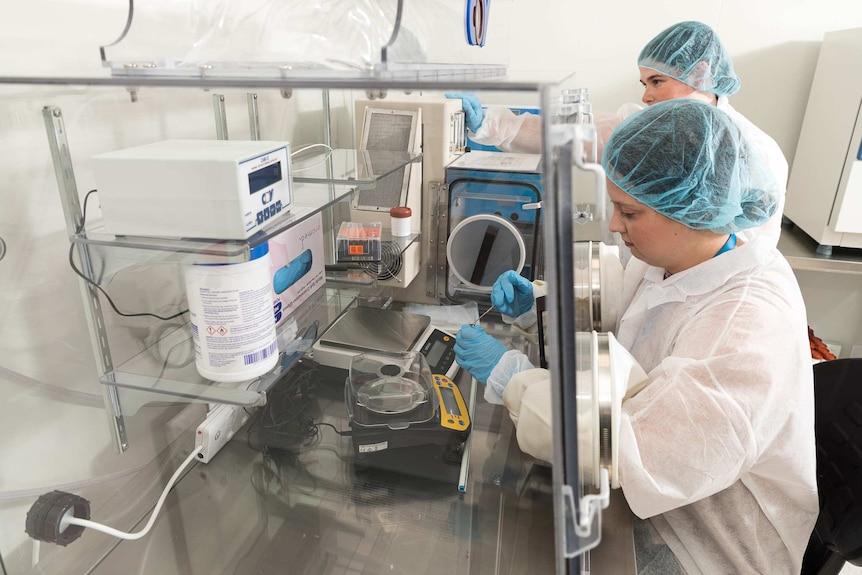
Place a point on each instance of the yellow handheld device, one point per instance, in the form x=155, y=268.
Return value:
x=453, y=410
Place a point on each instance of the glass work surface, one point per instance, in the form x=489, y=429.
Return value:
x=295, y=498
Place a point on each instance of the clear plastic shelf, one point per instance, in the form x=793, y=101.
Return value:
x=110, y=253
x=175, y=374
x=359, y=168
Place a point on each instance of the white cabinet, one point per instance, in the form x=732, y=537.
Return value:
x=824, y=193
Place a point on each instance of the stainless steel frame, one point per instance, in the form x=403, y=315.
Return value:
x=92, y=307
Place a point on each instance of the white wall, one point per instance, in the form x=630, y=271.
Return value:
x=45, y=441
x=774, y=44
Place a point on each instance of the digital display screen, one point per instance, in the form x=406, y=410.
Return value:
x=449, y=401
x=264, y=177
x=438, y=348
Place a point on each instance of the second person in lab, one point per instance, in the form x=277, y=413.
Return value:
x=717, y=449
x=686, y=60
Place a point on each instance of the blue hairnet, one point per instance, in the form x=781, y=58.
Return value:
x=692, y=53
x=688, y=161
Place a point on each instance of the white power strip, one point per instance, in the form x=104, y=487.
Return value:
x=217, y=429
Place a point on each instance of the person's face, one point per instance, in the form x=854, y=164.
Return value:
x=652, y=238
x=659, y=88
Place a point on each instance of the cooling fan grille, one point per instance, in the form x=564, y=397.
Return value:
x=389, y=265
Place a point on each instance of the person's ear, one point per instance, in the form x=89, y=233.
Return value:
x=700, y=78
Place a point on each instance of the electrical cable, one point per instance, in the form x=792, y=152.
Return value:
x=69, y=520
x=308, y=147
x=97, y=286
x=341, y=433
x=285, y=422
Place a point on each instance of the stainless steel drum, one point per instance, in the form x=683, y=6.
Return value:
x=598, y=286
x=600, y=392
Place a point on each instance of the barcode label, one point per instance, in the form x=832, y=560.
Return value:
x=257, y=356
x=195, y=331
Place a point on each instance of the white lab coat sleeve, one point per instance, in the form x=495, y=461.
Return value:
x=512, y=363
x=518, y=133
x=522, y=133
x=528, y=399
x=606, y=122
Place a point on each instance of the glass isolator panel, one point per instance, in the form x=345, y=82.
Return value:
x=303, y=40
x=360, y=168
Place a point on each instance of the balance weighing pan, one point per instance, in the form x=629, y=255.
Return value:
x=392, y=395
x=390, y=390
x=376, y=330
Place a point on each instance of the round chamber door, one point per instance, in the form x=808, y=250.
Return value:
x=482, y=247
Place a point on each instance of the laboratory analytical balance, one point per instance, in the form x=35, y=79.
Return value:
x=406, y=414
x=373, y=330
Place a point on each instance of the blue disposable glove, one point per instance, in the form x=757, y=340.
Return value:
x=291, y=273
x=512, y=294
x=473, y=111
x=477, y=352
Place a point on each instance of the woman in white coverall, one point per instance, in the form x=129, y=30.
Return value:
x=686, y=60
x=717, y=449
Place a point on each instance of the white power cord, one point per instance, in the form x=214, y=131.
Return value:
x=308, y=147
x=69, y=519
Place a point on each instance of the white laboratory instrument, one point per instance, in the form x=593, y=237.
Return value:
x=494, y=214
x=224, y=189
x=404, y=417
x=371, y=330
x=434, y=127
x=824, y=193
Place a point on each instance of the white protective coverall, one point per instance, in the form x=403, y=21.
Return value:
x=774, y=158
x=718, y=447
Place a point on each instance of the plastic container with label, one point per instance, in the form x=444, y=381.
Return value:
x=231, y=316
x=399, y=218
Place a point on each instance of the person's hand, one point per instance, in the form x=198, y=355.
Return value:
x=291, y=273
x=512, y=294
x=473, y=112
x=477, y=352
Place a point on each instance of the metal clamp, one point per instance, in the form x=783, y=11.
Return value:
x=582, y=525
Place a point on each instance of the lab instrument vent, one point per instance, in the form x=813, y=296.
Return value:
x=389, y=265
